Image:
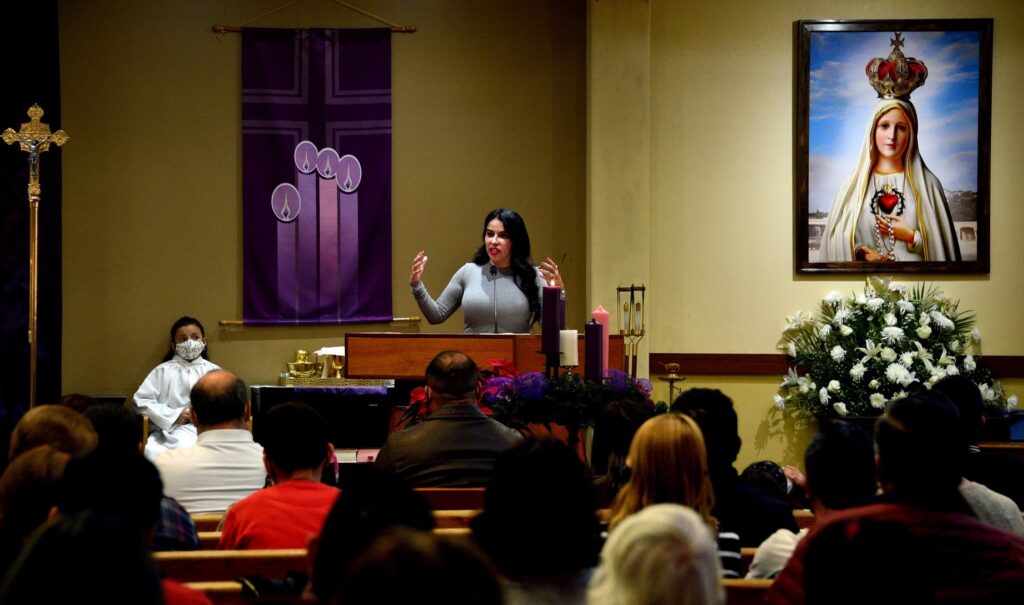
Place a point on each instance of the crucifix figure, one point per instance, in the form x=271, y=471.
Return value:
x=34, y=137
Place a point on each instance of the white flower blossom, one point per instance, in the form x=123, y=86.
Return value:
x=901, y=288
x=837, y=353
x=954, y=345
x=907, y=359
x=900, y=395
x=987, y=392
x=823, y=395
x=798, y=320
x=877, y=400
x=874, y=303
x=860, y=299
x=841, y=316
x=790, y=379
x=944, y=322
x=892, y=334
x=824, y=331
x=791, y=349
x=845, y=330
x=946, y=360
x=976, y=335
x=924, y=331
x=805, y=385
x=869, y=349
x=890, y=319
x=1011, y=402
x=896, y=373
x=833, y=298
x=951, y=370
x=905, y=306
x=834, y=386
x=840, y=408
x=857, y=371
x=924, y=319
x=780, y=403
x=969, y=363
x=922, y=353
x=888, y=355
x=874, y=384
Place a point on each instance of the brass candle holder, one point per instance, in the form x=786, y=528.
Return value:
x=630, y=301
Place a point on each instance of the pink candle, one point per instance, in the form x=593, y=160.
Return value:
x=600, y=315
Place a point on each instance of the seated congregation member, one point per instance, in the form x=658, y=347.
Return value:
x=225, y=465
x=410, y=566
x=455, y=446
x=125, y=486
x=292, y=510
x=55, y=425
x=660, y=555
x=924, y=546
x=614, y=428
x=117, y=428
x=840, y=463
x=28, y=490
x=670, y=467
x=753, y=512
x=539, y=524
x=86, y=557
x=992, y=482
x=372, y=503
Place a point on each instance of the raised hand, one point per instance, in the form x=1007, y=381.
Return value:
x=418, y=265
x=549, y=271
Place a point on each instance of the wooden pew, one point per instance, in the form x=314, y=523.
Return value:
x=804, y=518
x=745, y=592
x=220, y=565
x=453, y=498
x=746, y=557
x=208, y=521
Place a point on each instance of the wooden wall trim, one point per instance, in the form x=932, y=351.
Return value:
x=770, y=364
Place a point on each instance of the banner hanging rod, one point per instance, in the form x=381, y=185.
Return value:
x=395, y=27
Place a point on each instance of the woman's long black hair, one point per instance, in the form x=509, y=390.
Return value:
x=181, y=323
x=523, y=272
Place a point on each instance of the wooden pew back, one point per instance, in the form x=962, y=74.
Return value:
x=219, y=565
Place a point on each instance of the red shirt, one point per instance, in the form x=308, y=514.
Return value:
x=282, y=516
x=176, y=593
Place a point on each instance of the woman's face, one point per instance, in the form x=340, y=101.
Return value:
x=498, y=244
x=892, y=132
x=189, y=332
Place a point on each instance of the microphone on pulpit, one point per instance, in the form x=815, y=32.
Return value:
x=494, y=295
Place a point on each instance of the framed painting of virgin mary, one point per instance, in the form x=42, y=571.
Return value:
x=893, y=123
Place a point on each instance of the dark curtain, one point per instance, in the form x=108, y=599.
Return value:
x=30, y=73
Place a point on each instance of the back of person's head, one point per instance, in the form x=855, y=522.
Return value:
x=840, y=463
x=77, y=401
x=219, y=397
x=540, y=488
x=664, y=554
x=453, y=376
x=374, y=501
x=116, y=426
x=87, y=557
x=614, y=428
x=967, y=398
x=404, y=565
x=767, y=475
x=669, y=466
x=295, y=437
x=922, y=450
x=57, y=425
x=118, y=482
x=716, y=416
x=28, y=489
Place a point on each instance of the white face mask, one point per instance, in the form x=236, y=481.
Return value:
x=190, y=349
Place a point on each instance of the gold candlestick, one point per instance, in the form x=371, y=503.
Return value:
x=34, y=137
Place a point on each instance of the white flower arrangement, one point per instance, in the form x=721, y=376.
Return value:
x=888, y=341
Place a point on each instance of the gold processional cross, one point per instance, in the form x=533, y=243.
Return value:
x=34, y=138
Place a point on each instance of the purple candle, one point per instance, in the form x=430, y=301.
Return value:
x=594, y=343
x=561, y=310
x=549, y=325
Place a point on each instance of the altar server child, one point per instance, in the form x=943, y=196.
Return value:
x=164, y=396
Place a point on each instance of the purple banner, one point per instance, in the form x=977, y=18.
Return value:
x=316, y=170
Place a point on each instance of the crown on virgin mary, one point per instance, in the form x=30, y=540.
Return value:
x=896, y=76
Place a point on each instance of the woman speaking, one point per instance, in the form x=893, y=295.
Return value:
x=499, y=291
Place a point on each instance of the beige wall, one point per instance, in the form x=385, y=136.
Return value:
x=488, y=111
x=718, y=250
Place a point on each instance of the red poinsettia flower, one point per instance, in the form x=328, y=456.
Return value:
x=418, y=395
x=503, y=368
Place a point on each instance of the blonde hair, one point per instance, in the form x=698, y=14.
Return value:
x=669, y=465
x=664, y=554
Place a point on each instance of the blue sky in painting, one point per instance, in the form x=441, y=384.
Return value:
x=842, y=100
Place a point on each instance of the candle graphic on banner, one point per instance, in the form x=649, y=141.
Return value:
x=350, y=174
x=330, y=290
x=286, y=203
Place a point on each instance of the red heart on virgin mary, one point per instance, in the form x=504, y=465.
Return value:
x=888, y=201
